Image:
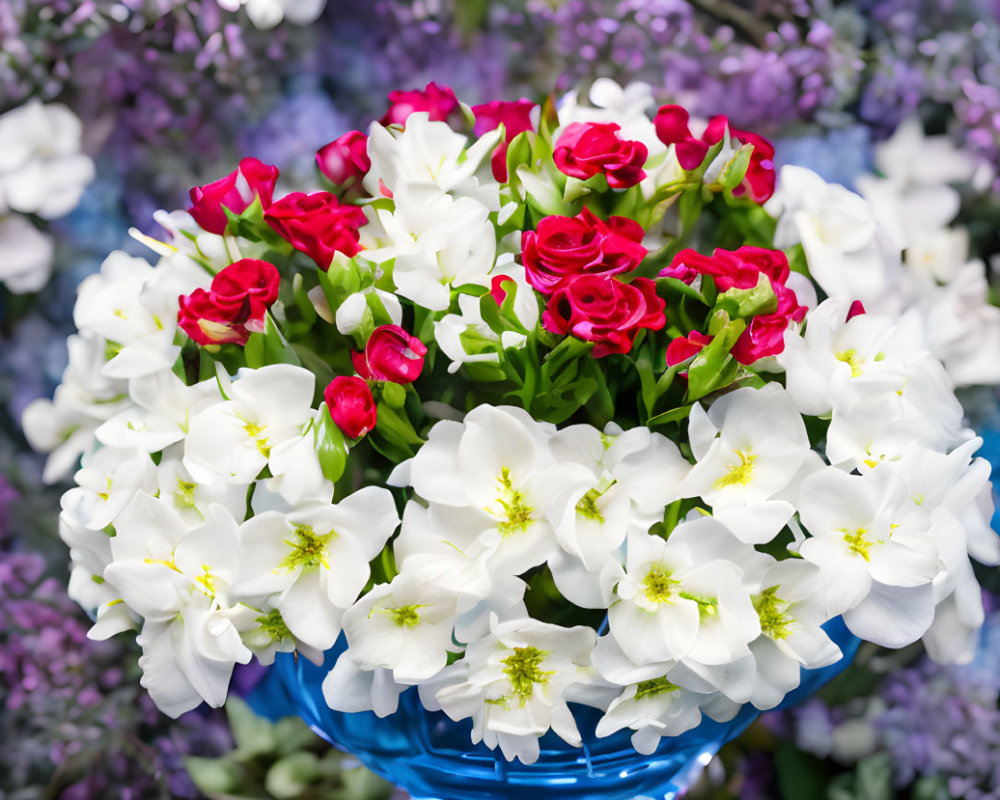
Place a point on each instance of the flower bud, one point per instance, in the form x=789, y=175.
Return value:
x=236, y=192
x=351, y=405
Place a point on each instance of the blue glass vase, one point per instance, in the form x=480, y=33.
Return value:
x=431, y=757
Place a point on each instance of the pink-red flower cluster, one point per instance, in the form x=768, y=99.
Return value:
x=236, y=192
x=563, y=248
x=672, y=128
x=574, y=260
x=351, y=405
x=437, y=101
x=344, y=161
x=605, y=311
x=586, y=149
x=514, y=116
x=391, y=354
x=317, y=224
x=233, y=307
x=740, y=269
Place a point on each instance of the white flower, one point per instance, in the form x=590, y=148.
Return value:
x=751, y=448
x=65, y=425
x=791, y=614
x=684, y=597
x=178, y=579
x=428, y=155
x=495, y=467
x=233, y=439
x=351, y=313
x=878, y=564
x=847, y=252
x=192, y=499
x=435, y=241
x=113, y=476
x=626, y=482
x=456, y=333
x=653, y=708
x=513, y=684
x=839, y=361
x=349, y=688
x=42, y=170
x=405, y=626
x=25, y=255
x=312, y=564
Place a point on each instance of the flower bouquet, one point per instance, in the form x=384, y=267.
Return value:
x=529, y=411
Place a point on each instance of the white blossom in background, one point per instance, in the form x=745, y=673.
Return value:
x=267, y=14
x=42, y=169
x=26, y=255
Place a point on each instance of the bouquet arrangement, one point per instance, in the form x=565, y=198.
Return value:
x=536, y=405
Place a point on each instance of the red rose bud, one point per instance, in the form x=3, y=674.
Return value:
x=345, y=161
x=391, y=354
x=515, y=118
x=317, y=225
x=565, y=247
x=437, y=101
x=605, y=311
x=233, y=307
x=497, y=292
x=672, y=129
x=760, y=177
x=586, y=149
x=683, y=347
x=857, y=308
x=236, y=192
x=351, y=405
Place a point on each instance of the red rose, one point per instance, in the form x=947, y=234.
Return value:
x=683, y=347
x=437, y=101
x=391, y=354
x=672, y=128
x=586, y=149
x=236, y=192
x=515, y=118
x=351, y=405
x=564, y=247
x=603, y=310
x=234, y=305
x=741, y=269
x=345, y=161
x=317, y=225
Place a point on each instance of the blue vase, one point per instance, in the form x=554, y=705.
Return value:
x=431, y=757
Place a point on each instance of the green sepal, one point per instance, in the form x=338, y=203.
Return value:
x=745, y=303
x=735, y=170
x=331, y=448
x=394, y=394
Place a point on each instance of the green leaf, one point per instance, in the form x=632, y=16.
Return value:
x=670, y=286
x=289, y=777
x=250, y=225
x=713, y=367
x=330, y=446
x=673, y=415
x=269, y=347
x=214, y=776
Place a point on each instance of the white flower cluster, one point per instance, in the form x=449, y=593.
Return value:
x=700, y=621
x=157, y=524
x=267, y=14
x=42, y=172
x=893, y=249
